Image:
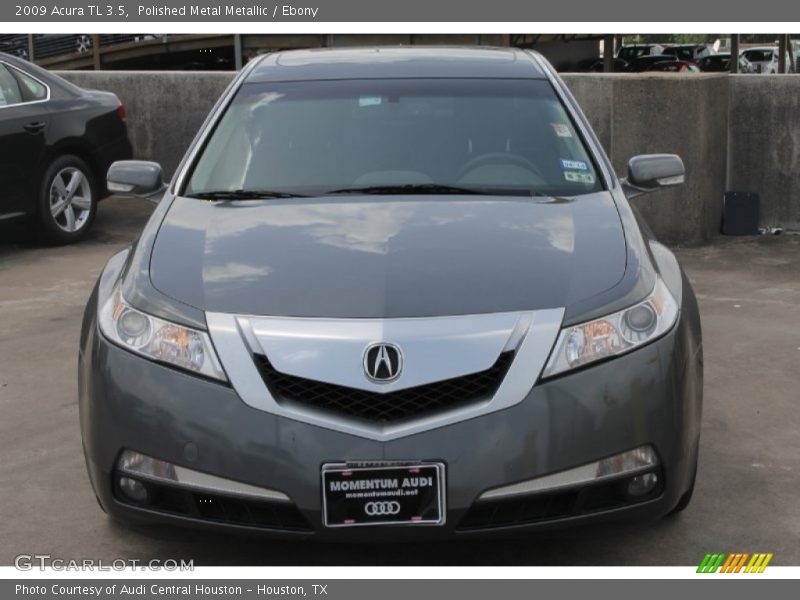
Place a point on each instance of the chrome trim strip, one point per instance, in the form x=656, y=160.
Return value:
x=333, y=350
x=203, y=482
x=536, y=332
x=582, y=475
x=36, y=79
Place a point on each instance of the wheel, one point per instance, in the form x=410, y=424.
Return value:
x=67, y=200
x=687, y=496
x=83, y=43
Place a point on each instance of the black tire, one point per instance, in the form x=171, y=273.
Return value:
x=56, y=229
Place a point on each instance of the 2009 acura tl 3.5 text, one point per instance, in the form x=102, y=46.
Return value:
x=393, y=293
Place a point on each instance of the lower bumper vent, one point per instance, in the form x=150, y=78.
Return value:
x=219, y=508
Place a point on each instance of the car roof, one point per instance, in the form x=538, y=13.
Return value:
x=396, y=62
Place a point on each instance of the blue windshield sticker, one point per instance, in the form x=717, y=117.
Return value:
x=573, y=165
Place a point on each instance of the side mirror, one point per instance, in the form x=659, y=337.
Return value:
x=651, y=172
x=136, y=178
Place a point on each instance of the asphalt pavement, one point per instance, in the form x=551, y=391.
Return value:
x=748, y=486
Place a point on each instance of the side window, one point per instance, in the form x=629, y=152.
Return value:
x=10, y=92
x=31, y=89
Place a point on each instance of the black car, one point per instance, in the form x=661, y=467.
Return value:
x=56, y=144
x=645, y=62
x=721, y=63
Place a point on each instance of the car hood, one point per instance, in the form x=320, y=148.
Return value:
x=388, y=256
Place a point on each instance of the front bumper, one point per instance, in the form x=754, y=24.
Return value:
x=649, y=396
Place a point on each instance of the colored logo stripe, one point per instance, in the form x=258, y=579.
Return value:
x=734, y=562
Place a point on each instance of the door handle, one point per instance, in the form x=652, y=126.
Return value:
x=34, y=127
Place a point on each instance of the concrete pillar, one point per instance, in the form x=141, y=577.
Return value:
x=608, y=53
x=734, y=66
x=237, y=51
x=782, y=43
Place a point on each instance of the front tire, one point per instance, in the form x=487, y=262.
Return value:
x=67, y=200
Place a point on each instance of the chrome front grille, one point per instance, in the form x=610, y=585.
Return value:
x=392, y=407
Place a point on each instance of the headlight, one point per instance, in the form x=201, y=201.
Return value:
x=615, y=334
x=158, y=339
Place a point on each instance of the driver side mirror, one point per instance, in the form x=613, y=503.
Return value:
x=652, y=172
x=136, y=178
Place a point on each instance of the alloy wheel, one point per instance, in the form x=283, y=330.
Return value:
x=70, y=199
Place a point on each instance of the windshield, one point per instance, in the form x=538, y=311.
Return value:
x=758, y=55
x=630, y=52
x=318, y=137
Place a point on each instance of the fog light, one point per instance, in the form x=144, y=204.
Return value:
x=641, y=485
x=133, y=490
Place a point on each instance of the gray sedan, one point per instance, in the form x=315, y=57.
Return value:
x=393, y=294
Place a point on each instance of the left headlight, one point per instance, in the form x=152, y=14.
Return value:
x=157, y=339
x=615, y=334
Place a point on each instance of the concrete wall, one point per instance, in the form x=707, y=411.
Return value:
x=656, y=113
x=630, y=114
x=165, y=108
x=764, y=149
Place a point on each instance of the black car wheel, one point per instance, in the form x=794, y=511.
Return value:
x=67, y=200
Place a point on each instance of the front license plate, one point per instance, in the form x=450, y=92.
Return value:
x=392, y=494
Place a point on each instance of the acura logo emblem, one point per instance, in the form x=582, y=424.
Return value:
x=374, y=509
x=383, y=362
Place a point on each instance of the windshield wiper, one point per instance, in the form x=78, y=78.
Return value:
x=433, y=188
x=408, y=188
x=243, y=195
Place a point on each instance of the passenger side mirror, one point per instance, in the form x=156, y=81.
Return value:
x=136, y=178
x=651, y=172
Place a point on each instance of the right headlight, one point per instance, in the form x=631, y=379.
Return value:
x=157, y=339
x=615, y=334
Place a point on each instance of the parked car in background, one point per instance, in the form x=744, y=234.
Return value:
x=688, y=52
x=16, y=45
x=56, y=144
x=674, y=66
x=598, y=66
x=459, y=326
x=643, y=63
x=765, y=60
x=720, y=63
x=631, y=52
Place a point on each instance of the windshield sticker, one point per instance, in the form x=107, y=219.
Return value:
x=573, y=165
x=369, y=100
x=561, y=130
x=579, y=177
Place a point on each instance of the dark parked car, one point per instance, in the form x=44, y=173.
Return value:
x=56, y=144
x=645, y=62
x=598, y=66
x=688, y=52
x=393, y=293
x=674, y=66
x=631, y=52
x=720, y=63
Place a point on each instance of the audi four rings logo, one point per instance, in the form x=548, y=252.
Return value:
x=383, y=362
x=374, y=509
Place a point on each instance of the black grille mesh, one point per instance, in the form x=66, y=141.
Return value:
x=396, y=406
